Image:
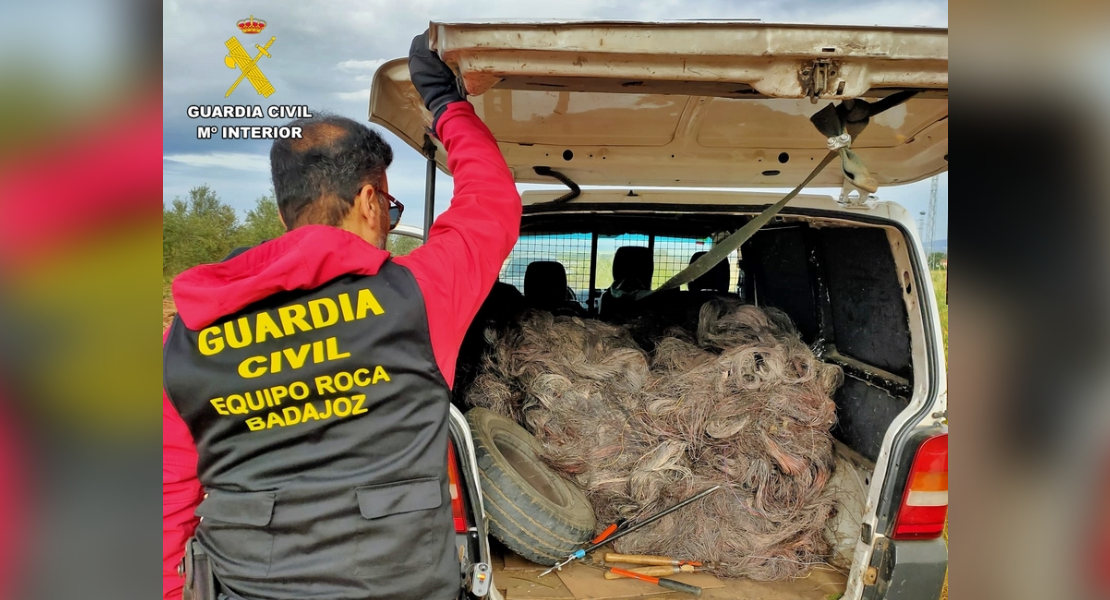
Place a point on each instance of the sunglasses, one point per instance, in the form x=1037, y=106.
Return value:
x=396, y=209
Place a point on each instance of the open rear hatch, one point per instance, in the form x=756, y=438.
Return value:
x=708, y=104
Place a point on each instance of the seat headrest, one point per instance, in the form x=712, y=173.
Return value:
x=716, y=280
x=633, y=267
x=545, y=284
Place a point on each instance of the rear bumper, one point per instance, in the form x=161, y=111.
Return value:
x=908, y=570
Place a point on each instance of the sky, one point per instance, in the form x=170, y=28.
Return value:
x=326, y=53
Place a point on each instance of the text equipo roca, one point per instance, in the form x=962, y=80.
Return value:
x=285, y=415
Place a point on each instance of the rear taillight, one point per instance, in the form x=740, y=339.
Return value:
x=925, y=503
x=458, y=504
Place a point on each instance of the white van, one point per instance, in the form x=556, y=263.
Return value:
x=714, y=105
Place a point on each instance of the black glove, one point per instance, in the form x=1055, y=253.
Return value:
x=434, y=80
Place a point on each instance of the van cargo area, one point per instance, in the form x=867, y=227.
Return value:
x=847, y=285
x=859, y=484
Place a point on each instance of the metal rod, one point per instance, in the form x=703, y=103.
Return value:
x=580, y=554
x=593, y=276
x=429, y=186
x=653, y=518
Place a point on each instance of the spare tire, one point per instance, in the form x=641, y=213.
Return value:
x=533, y=511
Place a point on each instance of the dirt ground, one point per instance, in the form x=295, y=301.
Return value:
x=168, y=311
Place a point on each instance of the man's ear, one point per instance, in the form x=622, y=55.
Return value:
x=367, y=205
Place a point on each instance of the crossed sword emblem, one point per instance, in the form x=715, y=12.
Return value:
x=238, y=57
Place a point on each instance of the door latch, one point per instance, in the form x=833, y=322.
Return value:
x=817, y=79
x=480, y=579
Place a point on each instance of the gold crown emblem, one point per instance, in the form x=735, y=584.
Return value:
x=251, y=25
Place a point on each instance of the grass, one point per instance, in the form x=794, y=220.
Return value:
x=944, y=594
x=167, y=303
x=940, y=285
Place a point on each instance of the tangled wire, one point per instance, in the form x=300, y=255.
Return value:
x=741, y=402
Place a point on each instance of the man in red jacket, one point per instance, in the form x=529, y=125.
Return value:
x=306, y=381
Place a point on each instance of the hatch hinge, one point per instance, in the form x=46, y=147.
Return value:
x=817, y=79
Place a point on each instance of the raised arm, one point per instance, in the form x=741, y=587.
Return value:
x=471, y=240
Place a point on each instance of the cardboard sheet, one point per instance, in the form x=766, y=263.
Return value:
x=519, y=579
x=521, y=585
x=513, y=562
x=588, y=583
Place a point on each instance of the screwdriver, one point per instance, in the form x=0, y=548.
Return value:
x=580, y=554
x=669, y=584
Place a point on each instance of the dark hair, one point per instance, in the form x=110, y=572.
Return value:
x=317, y=177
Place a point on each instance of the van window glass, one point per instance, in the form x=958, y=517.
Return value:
x=672, y=255
x=572, y=250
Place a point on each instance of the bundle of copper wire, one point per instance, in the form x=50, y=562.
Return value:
x=736, y=399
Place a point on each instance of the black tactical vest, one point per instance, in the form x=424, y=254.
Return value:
x=320, y=419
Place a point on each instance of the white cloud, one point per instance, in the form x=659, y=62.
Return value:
x=239, y=161
x=354, y=96
x=361, y=65
x=364, y=72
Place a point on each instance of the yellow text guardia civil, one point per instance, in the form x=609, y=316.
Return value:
x=287, y=321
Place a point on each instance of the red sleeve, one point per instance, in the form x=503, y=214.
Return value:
x=181, y=494
x=471, y=240
x=113, y=158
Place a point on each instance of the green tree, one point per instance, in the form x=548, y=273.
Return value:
x=935, y=260
x=202, y=230
x=263, y=223
x=199, y=230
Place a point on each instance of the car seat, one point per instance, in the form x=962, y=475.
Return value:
x=501, y=308
x=545, y=288
x=716, y=280
x=633, y=268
